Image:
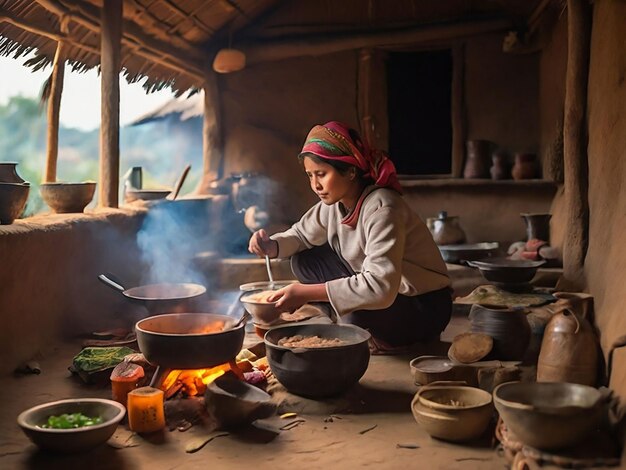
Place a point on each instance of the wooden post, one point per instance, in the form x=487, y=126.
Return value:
x=54, y=106
x=575, y=139
x=110, y=60
x=364, y=88
x=212, y=138
x=459, y=129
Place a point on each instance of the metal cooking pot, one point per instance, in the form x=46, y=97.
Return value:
x=164, y=297
x=507, y=271
x=318, y=372
x=468, y=251
x=189, y=340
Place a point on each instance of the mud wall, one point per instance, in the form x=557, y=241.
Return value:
x=269, y=108
x=605, y=264
x=48, y=280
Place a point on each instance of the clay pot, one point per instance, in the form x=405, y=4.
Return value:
x=569, y=350
x=508, y=327
x=477, y=159
x=8, y=173
x=525, y=166
x=67, y=197
x=499, y=166
x=446, y=230
x=13, y=198
x=537, y=226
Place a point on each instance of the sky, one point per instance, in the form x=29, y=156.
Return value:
x=80, y=102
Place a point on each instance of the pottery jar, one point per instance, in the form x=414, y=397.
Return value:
x=477, y=159
x=537, y=226
x=525, y=166
x=499, y=166
x=446, y=230
x=8, y=173
x=508, y=327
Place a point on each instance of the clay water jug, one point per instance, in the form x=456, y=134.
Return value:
x=500, y=166
x=477, y=159
x=537, y=226
x=569, y=350
x=525, y=166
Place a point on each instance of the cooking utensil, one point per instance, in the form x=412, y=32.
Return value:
x=468, y=251
x=179, y=340
x=243, y=320
x=549, y=415
x=159, y=298
x=269, y=271
x=507, y=271
x=179, y=184
x=318, y=372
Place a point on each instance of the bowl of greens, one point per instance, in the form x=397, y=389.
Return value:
x=72, y=425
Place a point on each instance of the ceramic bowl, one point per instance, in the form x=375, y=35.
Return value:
x=264, y=313
x=146, y=194
x=452, y=412
x=71, y=440
x=549, y=415
x=65, y=198
x=13, y=198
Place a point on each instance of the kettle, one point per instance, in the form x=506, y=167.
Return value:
x=446, y=229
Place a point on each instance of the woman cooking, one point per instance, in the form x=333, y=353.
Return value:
x=361, y=247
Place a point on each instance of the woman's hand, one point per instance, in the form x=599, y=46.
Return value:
x=261, y=244
x=294, y=296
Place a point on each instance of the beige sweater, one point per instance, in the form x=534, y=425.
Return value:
x=390, y=250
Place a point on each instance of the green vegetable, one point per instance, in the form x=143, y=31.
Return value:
x=71, y=421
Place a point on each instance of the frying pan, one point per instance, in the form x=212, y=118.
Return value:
x=157, y=297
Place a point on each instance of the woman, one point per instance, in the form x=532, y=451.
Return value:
x=361, y=248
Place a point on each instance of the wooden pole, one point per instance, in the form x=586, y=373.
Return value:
x=212, y=137
x=321, y=45
x=575, y=139
x=459, y=128
x=54, y=107
x=364, y=86
x=110, y=44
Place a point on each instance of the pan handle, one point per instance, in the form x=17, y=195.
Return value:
x=106, y=279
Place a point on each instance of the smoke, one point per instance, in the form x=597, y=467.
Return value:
x=172, y=234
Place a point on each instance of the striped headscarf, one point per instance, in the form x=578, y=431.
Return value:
x=337, y=141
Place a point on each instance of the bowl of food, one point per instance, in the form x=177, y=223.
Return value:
x=452, y=412
x=549, y=415
x=73, y=425
x=258, y=305
x=317, y=360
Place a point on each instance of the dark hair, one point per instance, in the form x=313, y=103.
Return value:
x=341, y=167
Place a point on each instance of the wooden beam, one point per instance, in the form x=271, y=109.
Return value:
x=54, y=107
x=212, y=137
x=321, y=45
x=575, y=139
x=110, y=64
x=364, y=91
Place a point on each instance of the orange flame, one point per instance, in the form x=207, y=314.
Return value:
x=193, y=381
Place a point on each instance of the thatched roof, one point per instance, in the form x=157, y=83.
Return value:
x=167, y=41
x=173, y=42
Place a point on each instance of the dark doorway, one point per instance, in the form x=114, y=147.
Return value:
x=419, y=104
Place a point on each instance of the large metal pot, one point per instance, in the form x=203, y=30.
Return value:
x=318, y=372
x=507, y=271
x=189, y=340
x=158, y=298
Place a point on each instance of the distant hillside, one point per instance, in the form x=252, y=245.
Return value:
x=162, y=148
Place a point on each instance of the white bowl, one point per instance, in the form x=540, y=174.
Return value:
x=77, y=439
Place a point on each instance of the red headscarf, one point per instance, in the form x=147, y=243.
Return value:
x=337, y=141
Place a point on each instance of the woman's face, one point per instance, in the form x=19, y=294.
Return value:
x=328, y=183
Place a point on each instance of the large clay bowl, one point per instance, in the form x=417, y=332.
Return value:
x=13, y=198
x=189, y=340
x=549, y=415
x=72, y=440
x=318, y=372
x=67, y=197
x=452, y=412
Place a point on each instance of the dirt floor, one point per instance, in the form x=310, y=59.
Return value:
x=381, y=434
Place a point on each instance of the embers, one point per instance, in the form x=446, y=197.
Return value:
x=193, y=382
